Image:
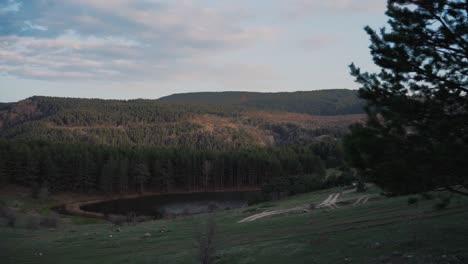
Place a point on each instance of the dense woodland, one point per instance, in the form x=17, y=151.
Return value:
x=152, y=123
x=320, y=102
x=112, y=146
x=91, y=168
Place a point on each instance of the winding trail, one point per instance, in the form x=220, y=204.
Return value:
x=330, y=201
x=362, y=198
x=274, y=212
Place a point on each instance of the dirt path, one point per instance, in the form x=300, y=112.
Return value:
x=363, y=199
x=330, y=201
x=274, y=212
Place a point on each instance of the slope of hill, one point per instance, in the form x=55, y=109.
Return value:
x=321, y=102
x=81, y=144
x=385, y=230
x=164, y=123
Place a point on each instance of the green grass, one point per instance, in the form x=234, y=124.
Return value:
x=79, y=220
x=320, y=236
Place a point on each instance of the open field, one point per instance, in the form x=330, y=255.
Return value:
x=387, y=230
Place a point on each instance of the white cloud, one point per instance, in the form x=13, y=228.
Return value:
x=298, y=8
x=122, y=39
x=73, y=57
x=28, y=26
x=10, y=6
x=64, y=57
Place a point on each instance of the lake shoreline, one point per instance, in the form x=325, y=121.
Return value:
x=76, y=207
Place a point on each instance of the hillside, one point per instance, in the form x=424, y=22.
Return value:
x=4, y=106
x=190, y=121
x=81, y=144
x=320, y=102
x=381, y=231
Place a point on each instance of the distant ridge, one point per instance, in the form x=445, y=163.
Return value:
x=4, y=105
x=215, y=121
x=319, y=102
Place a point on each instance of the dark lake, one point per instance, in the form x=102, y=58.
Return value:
x=172, y=204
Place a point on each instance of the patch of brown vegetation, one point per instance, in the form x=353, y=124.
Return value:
x=211, y=123
x=22, y=111
x=224, y=126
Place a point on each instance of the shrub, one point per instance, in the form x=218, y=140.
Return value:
x=118, y=220
x=131, y=217
x=50, y=221
x=443, y=203
x=413, y=200
x=161, y=213
x=256, y=198
x=142, y=218
x=280, y=187
x=343, y=178
x=427, y=196
x=10, y=215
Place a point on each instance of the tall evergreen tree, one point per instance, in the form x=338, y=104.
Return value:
x=108, y=171
x=123, y=175
x=168, y=175
x=141, y=174
x=49, y=175
x=156, y=176
x=416, y=136
x=3, y=172
x=88, y=172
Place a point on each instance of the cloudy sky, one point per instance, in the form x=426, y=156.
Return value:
x=150, y=48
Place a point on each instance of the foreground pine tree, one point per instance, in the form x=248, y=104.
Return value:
x=416, y=136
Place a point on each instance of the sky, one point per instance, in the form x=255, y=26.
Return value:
x=125, y=49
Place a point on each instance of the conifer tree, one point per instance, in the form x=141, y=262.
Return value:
x=415, y=138
x=123, y=175
x=141, y=174
x=108, y=171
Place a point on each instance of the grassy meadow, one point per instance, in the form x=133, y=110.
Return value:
x=383, y=230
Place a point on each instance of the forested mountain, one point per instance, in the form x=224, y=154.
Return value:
x=320, y=102
x=126, y=146
x=4, y=106
x=162, y=124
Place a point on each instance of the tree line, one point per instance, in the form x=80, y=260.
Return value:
x=97, y=168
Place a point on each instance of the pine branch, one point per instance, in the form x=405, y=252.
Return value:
x=460, y=42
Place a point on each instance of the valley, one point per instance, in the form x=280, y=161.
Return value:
x=234, y=132
x=385, y=230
